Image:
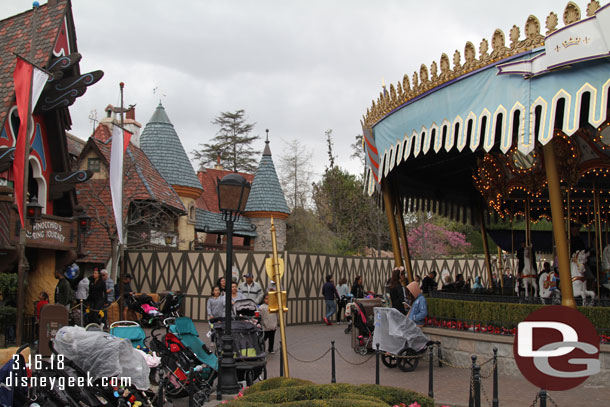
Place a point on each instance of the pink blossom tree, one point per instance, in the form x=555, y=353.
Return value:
x=428, y=241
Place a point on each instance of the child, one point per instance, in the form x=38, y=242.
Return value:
x=269, y=322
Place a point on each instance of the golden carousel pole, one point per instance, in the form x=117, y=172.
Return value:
x=568, y=220
x=403, y=236
x=486, y=248
x=555, y=199
x=278, y=271
x=598, y=232
x=389, y=213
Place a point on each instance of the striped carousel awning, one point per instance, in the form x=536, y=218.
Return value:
x=448, y=135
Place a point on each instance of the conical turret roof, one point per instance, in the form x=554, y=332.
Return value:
x=162, y=145
x=266, y=194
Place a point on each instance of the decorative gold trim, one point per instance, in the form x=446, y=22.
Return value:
x=427, y=79
x=188, y=192
x=266, y=214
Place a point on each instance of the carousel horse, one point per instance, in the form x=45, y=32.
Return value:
x=579, y=284
x=528, y=276
x=548, y=287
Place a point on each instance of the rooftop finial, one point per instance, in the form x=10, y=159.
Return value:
x=267, y=139
x=267, y=150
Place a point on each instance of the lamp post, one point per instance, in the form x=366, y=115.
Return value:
x=233, y=191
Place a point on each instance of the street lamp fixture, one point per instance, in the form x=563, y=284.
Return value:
x=34, y=211
x=233, y=191
x=84, y=222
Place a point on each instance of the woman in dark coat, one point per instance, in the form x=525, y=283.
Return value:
x=97, y=296
x=397, y=291
x=357, y=288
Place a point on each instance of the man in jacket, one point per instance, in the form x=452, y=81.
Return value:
x=63, y=291
x=251, y=289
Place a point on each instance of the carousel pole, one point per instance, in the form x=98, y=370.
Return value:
x=389, y=213
x=403, y=236
x=598, y=232
x=486, y=247
x=568, y=220
x=528, y=233
x=555, y=199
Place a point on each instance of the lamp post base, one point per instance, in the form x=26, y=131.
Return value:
x=228, y=368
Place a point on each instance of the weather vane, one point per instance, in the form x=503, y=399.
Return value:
x=93, y=118
x=156, y=90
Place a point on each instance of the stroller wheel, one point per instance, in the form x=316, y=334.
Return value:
x=407, y=364
x=362, y=350
x=389, y=360
x=348, y=329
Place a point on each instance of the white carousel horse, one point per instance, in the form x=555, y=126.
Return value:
x=579, y=284
x=548, y=286
x=528, y=276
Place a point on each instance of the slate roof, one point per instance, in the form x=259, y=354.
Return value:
x=144, y=183
x=208, y=178
x=211, y=222
x=266, y=194
x=15, y=34
x=162, y=145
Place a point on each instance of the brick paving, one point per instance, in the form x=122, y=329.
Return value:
x=308, y=342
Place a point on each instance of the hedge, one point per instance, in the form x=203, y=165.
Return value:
x=290, y=393
x=509, y=314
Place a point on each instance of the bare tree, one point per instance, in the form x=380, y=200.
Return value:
x=295, y=173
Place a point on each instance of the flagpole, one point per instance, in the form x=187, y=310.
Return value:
x=24, y=266
x=121, y=247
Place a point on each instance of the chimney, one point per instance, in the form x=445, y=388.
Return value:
x=218, y=166
x=131, y=113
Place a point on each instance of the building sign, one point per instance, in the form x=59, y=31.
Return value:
x=51, y=232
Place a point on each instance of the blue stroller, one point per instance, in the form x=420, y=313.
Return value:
x=130, y=330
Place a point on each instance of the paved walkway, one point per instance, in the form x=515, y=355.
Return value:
x=308, y=342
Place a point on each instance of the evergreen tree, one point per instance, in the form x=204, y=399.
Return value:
x=233, y=144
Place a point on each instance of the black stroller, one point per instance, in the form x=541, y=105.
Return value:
x=248, y=346
x=148, y=310
x=170, y=304
x=363, y=321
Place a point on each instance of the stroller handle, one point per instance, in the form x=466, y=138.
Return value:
x=168, y=321
x=123, y=323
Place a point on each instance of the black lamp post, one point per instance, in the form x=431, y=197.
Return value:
x=233, y=191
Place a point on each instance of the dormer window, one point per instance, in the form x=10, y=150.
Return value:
x=93, y=164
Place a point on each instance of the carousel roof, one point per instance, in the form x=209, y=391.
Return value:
x=451, y=135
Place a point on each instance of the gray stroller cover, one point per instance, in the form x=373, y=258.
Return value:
x=393, y=331
x=102, y=355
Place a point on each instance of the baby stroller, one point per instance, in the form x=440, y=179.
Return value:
x=170, y=304
x=129, y=330
x=183, y=372
x=144, y=305
x=401, y=340
x=248, y=347
x=363, y=320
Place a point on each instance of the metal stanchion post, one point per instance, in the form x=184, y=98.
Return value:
x=476, y=382
x=431, y=372
x=471, y=390
x=82, y=314
x=542, y=397
x=333, y=377
x=377, y=365
x=439, y=353
x=281, y=361
x=495, y=401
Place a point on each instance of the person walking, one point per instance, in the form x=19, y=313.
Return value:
x=109, y=286
x=251, y=289
x=97, y=297
x=343, y=291
x=63, y=291
x=269, y=323
x=216, y=304
x=330, y=294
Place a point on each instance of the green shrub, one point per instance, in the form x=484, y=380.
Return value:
x=8, y=286
x=289, y=393
x=274, y=383
x=508, y=314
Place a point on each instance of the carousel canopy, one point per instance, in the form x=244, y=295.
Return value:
x=453, y=139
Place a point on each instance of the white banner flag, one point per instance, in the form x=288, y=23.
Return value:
x=116, y=178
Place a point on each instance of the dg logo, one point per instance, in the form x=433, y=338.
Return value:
x=556, y=348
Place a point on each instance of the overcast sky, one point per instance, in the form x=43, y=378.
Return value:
x=296, y=67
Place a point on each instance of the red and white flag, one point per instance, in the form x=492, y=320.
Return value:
x=29, y=82
x=120, y=141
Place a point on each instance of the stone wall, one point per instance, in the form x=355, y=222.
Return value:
x=263, y=231
x=458, y=347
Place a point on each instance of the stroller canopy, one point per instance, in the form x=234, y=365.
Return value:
x=393, y=331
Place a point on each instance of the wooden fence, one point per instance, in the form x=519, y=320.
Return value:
x=195, y=273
